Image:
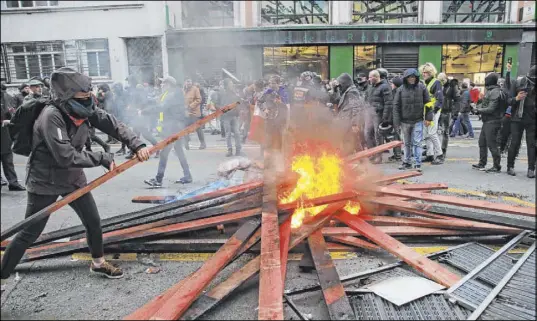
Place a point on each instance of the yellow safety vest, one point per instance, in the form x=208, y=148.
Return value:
x=161, y=114
x=430, y=105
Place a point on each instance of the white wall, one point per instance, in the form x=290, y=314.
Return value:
x=432, y=12
x=113, y=24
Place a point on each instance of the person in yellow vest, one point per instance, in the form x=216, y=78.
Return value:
x=435, y=89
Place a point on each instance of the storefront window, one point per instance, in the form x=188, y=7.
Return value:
x=290, y=62
x=199, y=14
x=294, y=12
x=385, y=12
x=365, y=59
x=472, y=61
x=473, y=11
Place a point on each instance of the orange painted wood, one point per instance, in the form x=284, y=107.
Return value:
x=395, y=177
x=429, y=268
x=285, y=238
x=373, y=151
x=350, y=240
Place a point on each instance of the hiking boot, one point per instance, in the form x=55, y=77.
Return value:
x=428, y=159
x=16, y=187
x=153, y=182
x=493, y=170
x=405, y=166
x=229, y=153
x=107, y=270
x=184, y=180
x=438, y=161
x=478, y=167
x=121, y=152
x=418, y=168
x=531, y=173
x=511, y=171
x=203, y=146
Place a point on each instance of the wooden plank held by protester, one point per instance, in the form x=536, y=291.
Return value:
x=111, y=174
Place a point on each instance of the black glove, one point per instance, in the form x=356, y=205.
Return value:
x=107, y=159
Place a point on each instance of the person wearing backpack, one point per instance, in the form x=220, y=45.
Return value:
x=6, y=153
x=492, y=111
x=57, y=161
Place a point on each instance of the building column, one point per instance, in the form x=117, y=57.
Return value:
x=432, y=12
x=256, y=13
x=341, y=12
x=237, y=13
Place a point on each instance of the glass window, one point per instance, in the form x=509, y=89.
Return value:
x=473, y=11
x=290, y=62
x=27, y=4
x=365, y=59
x=12, y=4
x=385, y=12
x=472, y=61
x=199, y=14
x=294, y=12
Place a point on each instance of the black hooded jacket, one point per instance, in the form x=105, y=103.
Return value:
x=350, y=102
x=380, y=98
x=494, y=103
x=410, y=100
x=452, y=97
x=524, y=109
x=56, y=164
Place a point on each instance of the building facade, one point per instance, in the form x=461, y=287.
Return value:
x=108, y=40
x=253, y=39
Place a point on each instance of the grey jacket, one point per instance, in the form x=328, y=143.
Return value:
x=350, y=103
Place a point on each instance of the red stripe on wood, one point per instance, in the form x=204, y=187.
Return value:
x=431, y=269
x=285, y=238
x=373, y=151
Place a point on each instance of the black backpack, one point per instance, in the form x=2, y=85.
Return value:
x=21, y=127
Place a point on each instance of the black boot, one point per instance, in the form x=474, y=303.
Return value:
x=16, y=187
x=428, y=159
x=438, y=161
x=511, y=171
x=531, y=173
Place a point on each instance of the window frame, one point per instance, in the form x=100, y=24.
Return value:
x=19, y=4
x=86, y=53
x=26, y=54
x=277, y=17
x=474, y=15
x=385, y=15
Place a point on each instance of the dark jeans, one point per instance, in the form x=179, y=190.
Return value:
x=462, y=126
x=199, y=131
x=87, y=211
x=489, y=139
x=505, y=132
x=443, y=130
x=163, y=160
x=371, y=130
x=9, y=168
x=517, y=128
x=231, y=125
x=222, y=129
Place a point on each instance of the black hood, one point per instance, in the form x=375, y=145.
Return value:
x=492, y=79
x=411, y=72
x=65, y=82
x=345, y=81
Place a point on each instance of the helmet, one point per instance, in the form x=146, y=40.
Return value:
x=385, y=129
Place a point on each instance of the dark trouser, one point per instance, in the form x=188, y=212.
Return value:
x=231, y=125
x=9, y=168
x=371, y=133
x=163, y=160
x=199, y=131
x=443, y=130
x=489, y=138
x=517, y=128
x=222, y=129
x=505, y=132
x=146, y=134
x=87, y=211
x=396, y=150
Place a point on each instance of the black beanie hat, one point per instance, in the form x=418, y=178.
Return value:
x=397, y=81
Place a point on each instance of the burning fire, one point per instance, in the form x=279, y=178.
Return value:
x=320, y=174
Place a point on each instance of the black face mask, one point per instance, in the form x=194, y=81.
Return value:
x=80, y=108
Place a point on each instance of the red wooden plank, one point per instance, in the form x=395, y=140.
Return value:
x=373, y=151
x=344, y=196
x=421, y=187
x=285, y=238
x=453, y=200
x=406, y=231
x=431, y=269
x=111, y=174
x=337, y=302
x=350, y=240
x=177, y=304
x=395, y=177
x=403, y=206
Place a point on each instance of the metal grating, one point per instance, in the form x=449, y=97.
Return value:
x=516, y=301
x=432, y=307
x=469, y=257
x=471, y=293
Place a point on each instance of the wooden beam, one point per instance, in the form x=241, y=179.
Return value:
x=373, y=151
x=406, y=231
x=422, y=187
x=431, y=269
x=339, y=307
x=453, y=200
x=177, y=304
x=224, y=289
x=350, y=240
x=323, y=200
x=285, y=238
x=111, y=174
x=153, y=199
x=395, y=177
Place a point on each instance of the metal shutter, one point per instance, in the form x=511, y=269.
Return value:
x=396, y=59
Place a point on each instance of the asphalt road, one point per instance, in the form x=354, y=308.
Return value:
x=62, y=288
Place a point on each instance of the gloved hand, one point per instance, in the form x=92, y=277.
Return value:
x=107, y=160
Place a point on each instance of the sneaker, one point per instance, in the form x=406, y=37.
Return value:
x=229, y=153
x=184, y=180
x=478, y=167
x=203, y=146
x=418, y=168
x=511, y=171
x=238, y=152
x=16, y=187
x=493, y=170
x=394, y=158
x=428, y=159
x=153, y=182
x=108, y=270
x=405, y=166
x=438, y=161
x=531, y=173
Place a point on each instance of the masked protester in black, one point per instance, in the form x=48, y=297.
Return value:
x=523, y=119
x=6, y=153
x=491, y=111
